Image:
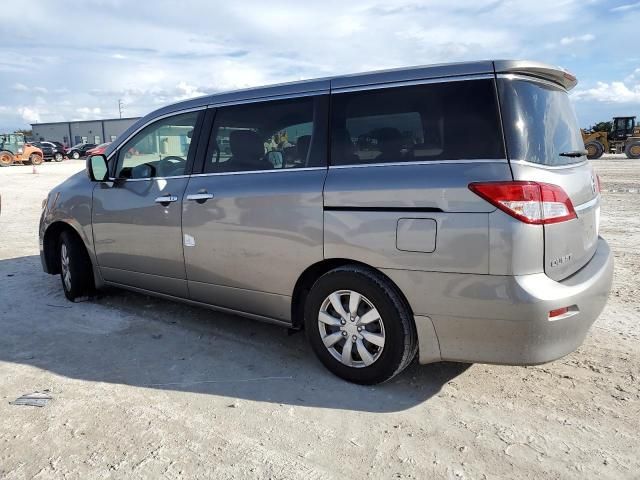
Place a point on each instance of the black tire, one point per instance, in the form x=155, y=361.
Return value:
x=75, y=155
x=594, y=150
x=77, y=265
x=35, y=159
x=58, y=157
x=6, y=159
x=400, y=338
x=632, y=149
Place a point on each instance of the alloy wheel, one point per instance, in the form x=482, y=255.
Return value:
x=64, y=264
x=351, y=328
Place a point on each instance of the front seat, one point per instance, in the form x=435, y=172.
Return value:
x=247, y=151
x=391, y=142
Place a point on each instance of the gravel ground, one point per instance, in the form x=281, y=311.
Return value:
x=144, y=388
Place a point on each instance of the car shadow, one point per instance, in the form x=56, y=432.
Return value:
x=132, y=339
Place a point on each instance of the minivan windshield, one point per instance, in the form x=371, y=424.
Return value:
x=539, y=122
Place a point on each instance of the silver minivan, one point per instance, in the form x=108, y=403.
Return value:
x=444, y=212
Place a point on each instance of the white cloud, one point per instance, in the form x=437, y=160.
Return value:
x=613, y=92
x=20, y=87
x=626, y=7
x=587, y=37
x=30, y=114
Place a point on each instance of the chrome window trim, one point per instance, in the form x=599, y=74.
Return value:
x=278, y=170
x=422, y=162
x=408, y=83
x=549, y=167
x=153, y=120
x=269, y=98
x=530, y=78
x=111, y=179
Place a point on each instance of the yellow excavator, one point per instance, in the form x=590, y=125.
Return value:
x=624, y=137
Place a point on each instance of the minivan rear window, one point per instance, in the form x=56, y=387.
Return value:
x=440, y=121
x=539, y=122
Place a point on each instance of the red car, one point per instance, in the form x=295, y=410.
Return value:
x=98, y=150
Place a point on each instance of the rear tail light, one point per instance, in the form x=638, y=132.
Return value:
x=530, y=202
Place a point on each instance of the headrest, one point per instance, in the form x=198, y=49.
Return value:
x=246, y=144
x=304, y=142
x=389, y=138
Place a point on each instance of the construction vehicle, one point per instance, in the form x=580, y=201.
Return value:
x=624, y=137
x=14, y=150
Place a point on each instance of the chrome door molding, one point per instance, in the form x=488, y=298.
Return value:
x=253, y=172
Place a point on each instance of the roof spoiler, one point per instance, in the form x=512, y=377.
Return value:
x=537, y=69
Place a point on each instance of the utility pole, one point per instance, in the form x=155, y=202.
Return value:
x=120, y=107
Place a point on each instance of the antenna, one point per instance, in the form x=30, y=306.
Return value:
x=120, y=107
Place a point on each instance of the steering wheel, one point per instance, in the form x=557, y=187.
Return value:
x=171, y=166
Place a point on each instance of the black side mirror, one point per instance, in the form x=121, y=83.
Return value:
x=97, y=168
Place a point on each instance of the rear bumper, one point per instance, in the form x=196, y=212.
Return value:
x=505, y=319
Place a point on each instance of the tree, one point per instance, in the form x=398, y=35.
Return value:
x=602, y=127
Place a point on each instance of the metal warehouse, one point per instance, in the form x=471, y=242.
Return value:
x=83, y=131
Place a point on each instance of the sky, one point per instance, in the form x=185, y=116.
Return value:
x=66, y=60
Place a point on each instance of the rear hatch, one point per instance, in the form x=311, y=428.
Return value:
x=545, y=145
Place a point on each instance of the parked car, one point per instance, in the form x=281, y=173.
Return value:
x=426, y=224
x=80, y=150
x=51, y=151
x=100, y=149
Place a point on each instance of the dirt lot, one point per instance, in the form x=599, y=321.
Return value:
x=144, y=388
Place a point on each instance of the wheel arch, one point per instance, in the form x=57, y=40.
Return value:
x=50, y=243
x=314, y=272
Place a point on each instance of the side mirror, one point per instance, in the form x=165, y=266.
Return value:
x=97, y=168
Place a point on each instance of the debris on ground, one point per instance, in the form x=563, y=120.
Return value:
x=35, y=399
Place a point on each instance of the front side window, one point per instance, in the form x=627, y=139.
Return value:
x=266, y=136
x=159, y=150
x=441, y=121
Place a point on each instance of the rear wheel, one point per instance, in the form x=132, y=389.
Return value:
x=359, y=326
x=58, y=157
x=75, y=155
x=632, y=149
x=35, y=159
x=75, y=267
x=594, y=150
x=6, y=159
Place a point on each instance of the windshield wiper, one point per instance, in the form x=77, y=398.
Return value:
x=573, y=153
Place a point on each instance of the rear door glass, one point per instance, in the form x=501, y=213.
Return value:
x=441, y=121
x=539, y=122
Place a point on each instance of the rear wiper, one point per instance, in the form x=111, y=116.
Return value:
x=573, y=153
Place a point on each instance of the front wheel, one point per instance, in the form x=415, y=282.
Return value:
x=75, y=267
x=35, y=159
x=359, y=326
x=632, y=149
x=594, y=150
x=58, y=157
x=6, y=159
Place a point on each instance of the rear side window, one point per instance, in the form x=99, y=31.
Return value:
x=277, y=134
x=539, y=122
x=441, y=121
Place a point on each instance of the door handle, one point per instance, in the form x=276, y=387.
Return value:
x=200, y=197
x=166, y=199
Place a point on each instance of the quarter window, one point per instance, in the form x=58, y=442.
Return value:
x=266, y=136
x=441, y=121
x=159, y=150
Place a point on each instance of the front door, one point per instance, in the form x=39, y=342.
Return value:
x=137, y=217
x=252, y=221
